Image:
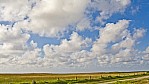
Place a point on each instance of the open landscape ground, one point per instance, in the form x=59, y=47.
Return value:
x=140, y=80
x=82, y=78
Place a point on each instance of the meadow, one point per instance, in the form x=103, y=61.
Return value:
x=142, y=81
x=87, y=78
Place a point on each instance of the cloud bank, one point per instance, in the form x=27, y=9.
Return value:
x=53, y=18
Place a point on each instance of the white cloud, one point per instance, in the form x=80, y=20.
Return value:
x=67, y=52
x=116, y=43
x=16, y=52
x=9, y=34
x=147, y=50
x=14, y=49
x=108, y=7
x=54, y=16
x=138, y=33
x=83, y=24
x=31, y=57
x=12, y=39
x=11, y=10
x=146, y=55
x=111, y=33
x=12, y=42
x=82, y=58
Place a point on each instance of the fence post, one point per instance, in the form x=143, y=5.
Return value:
x=90, y=77
x=76, y=78
x=33, y=82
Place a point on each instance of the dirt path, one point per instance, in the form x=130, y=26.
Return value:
x=139, y=78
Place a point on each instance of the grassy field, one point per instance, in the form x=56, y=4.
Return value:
x=88, y=78
x=142, y=81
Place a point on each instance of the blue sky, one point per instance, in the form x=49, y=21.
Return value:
x=74, y=36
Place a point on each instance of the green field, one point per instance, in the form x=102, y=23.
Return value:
x=87, y=78
x=142, y=81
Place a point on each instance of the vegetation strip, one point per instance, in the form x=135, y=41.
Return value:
x=94, y=78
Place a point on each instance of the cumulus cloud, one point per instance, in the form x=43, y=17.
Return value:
x=31, y=57
x=64, y=54
x=54, y=16
x=12, y=42
x=14, y=49
x=111, y=33
x=11, y=10
x=9, y=35
x=108, y=7
x=116, y=43
x=83, y=24
x=146, y=55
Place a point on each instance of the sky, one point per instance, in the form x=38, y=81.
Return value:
x=70, y=36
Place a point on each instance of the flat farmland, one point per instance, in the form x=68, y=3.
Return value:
x=87, y=78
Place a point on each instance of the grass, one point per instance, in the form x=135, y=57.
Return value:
x=88, y=78
x=142, y=81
